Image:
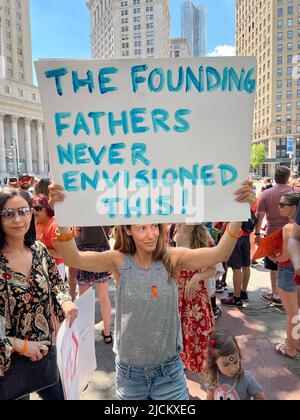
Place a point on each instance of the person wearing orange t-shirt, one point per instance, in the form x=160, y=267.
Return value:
x=46, y=229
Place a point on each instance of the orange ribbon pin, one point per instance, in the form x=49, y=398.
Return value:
x=154, y=292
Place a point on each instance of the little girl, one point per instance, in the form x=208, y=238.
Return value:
x=225, y=377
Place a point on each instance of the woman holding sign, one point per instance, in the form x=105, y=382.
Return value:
x=147, y=324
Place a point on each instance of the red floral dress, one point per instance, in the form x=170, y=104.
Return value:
x=197, y=324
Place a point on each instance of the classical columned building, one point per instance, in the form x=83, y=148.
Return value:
x=22, y=144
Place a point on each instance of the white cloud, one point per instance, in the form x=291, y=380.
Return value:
x=223, y=51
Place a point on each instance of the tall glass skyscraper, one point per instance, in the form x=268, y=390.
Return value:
x=193, y=27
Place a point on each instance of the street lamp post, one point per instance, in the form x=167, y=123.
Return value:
x=14, y=146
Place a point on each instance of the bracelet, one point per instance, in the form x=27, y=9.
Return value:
x=257, y=234
x=65, y=238
x=234, y=235
x=24, y=349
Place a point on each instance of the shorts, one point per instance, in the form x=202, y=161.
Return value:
x=286, y=279
x=87, y=279
x=165, y=381
x=270, y=265
x=241, y=256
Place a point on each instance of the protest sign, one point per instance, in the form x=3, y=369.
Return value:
x=149, y=141
x=76, y=354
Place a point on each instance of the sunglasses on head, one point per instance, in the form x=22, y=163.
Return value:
x=38, y=208
x=10, y=214
x=282, y=205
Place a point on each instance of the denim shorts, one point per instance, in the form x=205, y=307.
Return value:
x=286, y=279
x=163, y=382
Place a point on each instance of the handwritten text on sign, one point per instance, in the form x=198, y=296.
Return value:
x=148, y=141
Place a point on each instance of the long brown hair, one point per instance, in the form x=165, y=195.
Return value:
x=222, y=344
x=125, y=244
x=200, y=237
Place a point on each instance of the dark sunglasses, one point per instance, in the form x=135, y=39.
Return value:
x=10, y=214
x=282, y=205
x=38, y=208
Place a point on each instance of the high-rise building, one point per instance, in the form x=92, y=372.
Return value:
x=270, y=30
x=193, y=27
x=180, y=48
x=131, y=28
x=22, y=146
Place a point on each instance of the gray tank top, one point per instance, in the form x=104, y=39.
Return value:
x=147, y=322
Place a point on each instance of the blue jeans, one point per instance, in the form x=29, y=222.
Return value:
x=286, y=279
x=165, y=381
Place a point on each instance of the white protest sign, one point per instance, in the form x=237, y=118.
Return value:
x=149, y=141
x=76, y=348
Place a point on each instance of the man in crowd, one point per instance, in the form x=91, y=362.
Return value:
x=25, y=182
x=294, y=244
x=269, y=206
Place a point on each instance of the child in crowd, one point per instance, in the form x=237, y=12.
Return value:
x=225, y=377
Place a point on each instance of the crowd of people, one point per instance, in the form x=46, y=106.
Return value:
x=167, y=278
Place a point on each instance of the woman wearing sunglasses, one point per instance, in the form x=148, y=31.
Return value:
x=46, y=228
x=29, y=286
x=289, y=291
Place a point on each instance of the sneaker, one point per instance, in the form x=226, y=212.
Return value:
x=244, y=296
x=219, y=286
x=233, y=302
x=225, y=287
x=268, y=297
x=217, y=312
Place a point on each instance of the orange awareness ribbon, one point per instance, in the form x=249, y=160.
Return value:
x=154, y=292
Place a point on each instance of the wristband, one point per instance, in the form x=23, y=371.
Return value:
x=258, y=234
x=24, y=349
x=65, y=238
x=234, y=235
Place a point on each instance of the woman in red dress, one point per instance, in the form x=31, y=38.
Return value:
x=194, y=302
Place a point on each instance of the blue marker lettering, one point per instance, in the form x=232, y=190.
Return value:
x=104, y=80
x=166, y=208
x=213, y=79
x=80, y=154
x=123, y=122
x=178, y=87
x=228, y=174
x=58, y=74
x=159, y=118
x=136, y=119
x=81, y=125
x=207, y=176
x=111, y=203
x=65, y=155
x=69, y=178
x=138, y=151
x=137, y=80
x=185, y=125
x=250, y=84
x=95, y=116
x=191, y=80
x=166, y=180
x=78, y=83
x=114, y=154
x=153, y=77
x=58, y=124
x=93, y=182
x=97, y=158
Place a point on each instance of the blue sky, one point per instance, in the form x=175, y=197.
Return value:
x=60, y=28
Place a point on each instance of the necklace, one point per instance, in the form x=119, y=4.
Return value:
x=231, y=389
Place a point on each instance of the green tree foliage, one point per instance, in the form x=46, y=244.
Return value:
x=258, y=155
